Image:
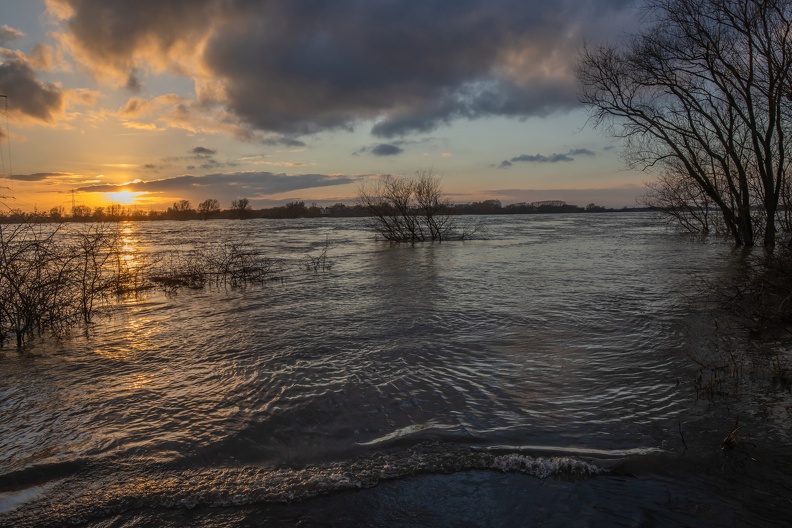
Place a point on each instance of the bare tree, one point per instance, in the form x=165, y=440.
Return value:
x=409, y=209
x=432, y=207
x=80, y=212
x=181, y=210
x=182, y=206
x=241, y=207
x=701, y=93
x=685, y=204
x=208, y=207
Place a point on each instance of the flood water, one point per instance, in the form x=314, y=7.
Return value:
x=544, y=373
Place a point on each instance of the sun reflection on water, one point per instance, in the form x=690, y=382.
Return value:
x=130, y=245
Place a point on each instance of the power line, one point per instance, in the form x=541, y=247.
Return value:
x=8, y=141
x=2, y=155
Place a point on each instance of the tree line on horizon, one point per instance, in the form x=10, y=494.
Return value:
x=241, y=209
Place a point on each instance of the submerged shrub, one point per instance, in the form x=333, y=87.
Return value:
x=228, y=263
x=319, y=263
x=52, y=279
x=410, y=209
x=55, y=277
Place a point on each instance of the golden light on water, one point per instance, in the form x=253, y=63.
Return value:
x=130, y=251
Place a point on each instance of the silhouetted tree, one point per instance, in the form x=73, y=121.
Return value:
x=208, y=207
x=181, y=210
x=701, y=93
x=241, y=207
x=81, y=212
x=685, y=203
x=56, y=213
x=409, y=209
x=114, y=212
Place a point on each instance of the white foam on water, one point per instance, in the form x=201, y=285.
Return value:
x=12, y=500
x=544, y=467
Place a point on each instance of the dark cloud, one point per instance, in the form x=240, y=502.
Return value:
x=418, y=64
x=284, y=142
x=200, y=158
x=38, y=176
x=133, y=83
x=386, y=149
x=581, y=152
x=238, y=183
x=297, y=67
x=541, y=158
x=204, y=151
x=29, y=98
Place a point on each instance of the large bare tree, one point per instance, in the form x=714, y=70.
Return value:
x=701, y=94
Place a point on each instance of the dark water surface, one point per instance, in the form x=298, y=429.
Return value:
x=541, y=375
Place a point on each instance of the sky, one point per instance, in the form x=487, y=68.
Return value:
x=148, y=102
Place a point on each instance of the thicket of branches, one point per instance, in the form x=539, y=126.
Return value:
x=53, y=280
x=56, y=277
x=701, y=95
x=228, y=263
x=410, y=209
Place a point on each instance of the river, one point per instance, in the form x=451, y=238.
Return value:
x=549, y=372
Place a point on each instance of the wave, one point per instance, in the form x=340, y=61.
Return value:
x=99, y=492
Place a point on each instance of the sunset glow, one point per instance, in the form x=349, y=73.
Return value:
x=285, y=101
x=123, y=197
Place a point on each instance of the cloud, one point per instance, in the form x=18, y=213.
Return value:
x=29, y=98
x=39, y=176
x=135, y=125
x=174, y=111
x=133, y=83
x=398, y=146
x=580, y=152
x=541, y=158
x=297, y=67
x=200, y=158
x=283, y=142
x=284, y=163
x=203, y=151
x=135, y=107
x=385, y=149
x=8, y=34
x=46, y=58
x=249, y=184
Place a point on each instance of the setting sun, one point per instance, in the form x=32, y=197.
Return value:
x=123, y=197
